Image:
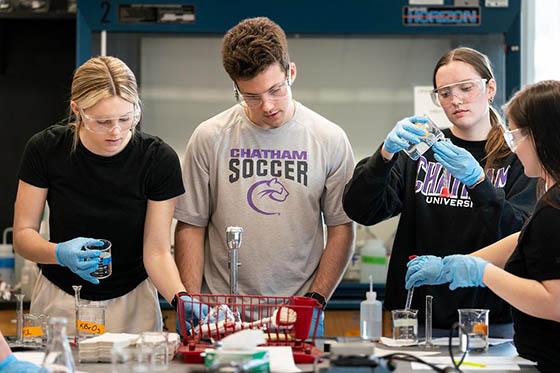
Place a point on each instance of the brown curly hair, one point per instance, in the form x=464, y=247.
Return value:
x=252, y=46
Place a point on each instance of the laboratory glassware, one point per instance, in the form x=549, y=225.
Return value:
x=58, y=355
x=405, y=325
x=474, y=326
x=105, y=267
x=433, y=135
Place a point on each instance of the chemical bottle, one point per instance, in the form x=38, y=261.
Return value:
x=373, y=261
x=58, y=355
x=370, y=315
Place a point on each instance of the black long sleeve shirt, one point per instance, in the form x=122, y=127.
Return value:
x=432, y=224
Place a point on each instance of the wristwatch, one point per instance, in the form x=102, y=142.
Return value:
x=175, y=299
x=321, y=299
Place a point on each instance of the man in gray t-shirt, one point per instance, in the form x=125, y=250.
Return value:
x=271, y=166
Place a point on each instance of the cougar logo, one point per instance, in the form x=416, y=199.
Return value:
x=262, y=192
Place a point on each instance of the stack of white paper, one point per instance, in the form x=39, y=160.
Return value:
x=99, y=348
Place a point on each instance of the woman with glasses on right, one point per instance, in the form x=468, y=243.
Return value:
x=459, y=196
x=530, y=278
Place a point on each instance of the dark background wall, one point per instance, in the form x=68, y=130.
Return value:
x=37, y=59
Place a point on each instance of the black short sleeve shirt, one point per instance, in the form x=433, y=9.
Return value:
x=101, y=197
x=537, y=257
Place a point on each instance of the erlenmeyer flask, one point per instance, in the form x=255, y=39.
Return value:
x=58, y=356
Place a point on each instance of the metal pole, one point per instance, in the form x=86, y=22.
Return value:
x=233, y=240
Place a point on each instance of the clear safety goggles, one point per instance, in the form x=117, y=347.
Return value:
x=105, y=124
x=276, y=93
x=466, y=91
x=514, y=137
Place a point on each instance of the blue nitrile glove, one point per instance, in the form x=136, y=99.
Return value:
x=425, y=270
x=458, y=161
x=81, y=262
x=320, y=327
x=194, y=313
x=464, y=270
x=11, y=364
x=403, y=134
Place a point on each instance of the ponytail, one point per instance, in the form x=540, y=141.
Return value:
x=496, y=147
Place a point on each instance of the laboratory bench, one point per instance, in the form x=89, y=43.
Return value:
x=342, y=316
x=177, y=364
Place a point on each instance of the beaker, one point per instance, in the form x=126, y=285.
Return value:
x=405, y=325
x=58, y=355
x=156, y=345
x=128, y=360
x=90, y=320
x=474, y=322
x=433, y=135
x=35, y=330
x=105, y=267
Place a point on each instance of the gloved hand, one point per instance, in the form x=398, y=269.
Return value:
x=11, y=364
x=425, y=270
x=81, y=262
x=464, y=270
x=403, y=134
x=458, y=161
x=194, y=313
x=320, y=315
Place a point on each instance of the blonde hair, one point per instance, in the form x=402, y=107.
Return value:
x=99, y=78
x=496, y=147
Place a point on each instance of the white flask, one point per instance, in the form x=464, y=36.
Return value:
x=370, y=315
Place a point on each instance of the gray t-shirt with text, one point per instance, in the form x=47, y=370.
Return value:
x=278, y=185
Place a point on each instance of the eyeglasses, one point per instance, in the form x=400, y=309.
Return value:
x=276, y=93
x=466, y=91
x=105, y=124
x=514, y=137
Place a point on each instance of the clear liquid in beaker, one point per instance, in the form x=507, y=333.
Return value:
x=405, y=325
x=474, y=323
x=478, y=342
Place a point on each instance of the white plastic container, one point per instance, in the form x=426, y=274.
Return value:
x=7, y=259
x=373, y=262
x=370, y=316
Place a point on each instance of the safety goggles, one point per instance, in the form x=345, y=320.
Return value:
x=276, y=93
x=105, y=124
x=466, y=91
x=514, y=137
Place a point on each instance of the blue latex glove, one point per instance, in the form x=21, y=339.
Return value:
x=13, y=365
x=403, y=134
x=458, y=161
x=320, y=327
x=194, y=312
x=464, y=270
x=81, y=262
x=425, y=270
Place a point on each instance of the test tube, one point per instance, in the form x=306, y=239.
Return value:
x=19, y=319
x=428, y=332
